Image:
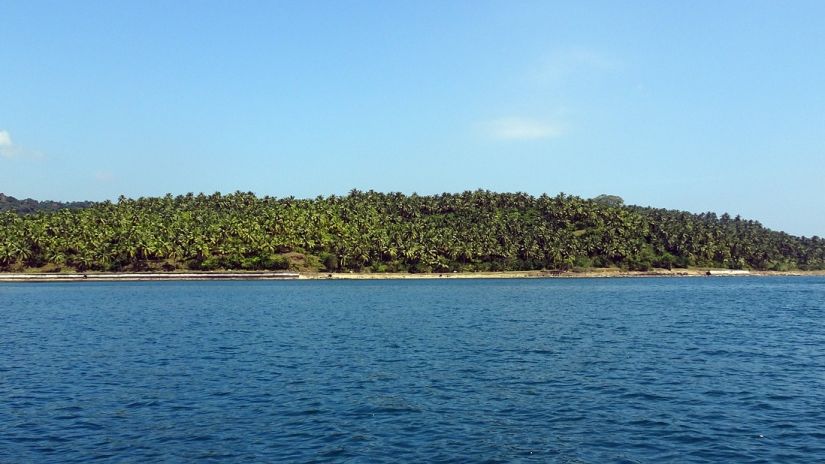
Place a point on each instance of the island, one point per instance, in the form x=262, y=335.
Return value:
x=365, y=233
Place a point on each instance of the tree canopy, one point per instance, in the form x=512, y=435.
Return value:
x=379, y=232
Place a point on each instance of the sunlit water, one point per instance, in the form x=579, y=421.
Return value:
x=604, y=370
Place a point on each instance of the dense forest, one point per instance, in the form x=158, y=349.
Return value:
x=378, y=232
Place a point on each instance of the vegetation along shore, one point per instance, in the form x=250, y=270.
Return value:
x=370, y=233
x=280, y=275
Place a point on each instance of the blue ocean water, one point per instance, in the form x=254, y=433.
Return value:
x=601, y=370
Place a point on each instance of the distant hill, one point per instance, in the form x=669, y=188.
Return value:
x=28, y=205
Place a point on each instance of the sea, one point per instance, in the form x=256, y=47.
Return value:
x=612, y=370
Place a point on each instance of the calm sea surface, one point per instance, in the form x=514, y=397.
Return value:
x=603, y=370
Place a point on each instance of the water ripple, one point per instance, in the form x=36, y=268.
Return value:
x=625, y=371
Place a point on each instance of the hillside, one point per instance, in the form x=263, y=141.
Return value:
x=28, y=205
x=378, y=232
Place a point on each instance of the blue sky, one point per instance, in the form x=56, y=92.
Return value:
x=703, y=106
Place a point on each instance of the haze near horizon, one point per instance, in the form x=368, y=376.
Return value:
x=701, y=107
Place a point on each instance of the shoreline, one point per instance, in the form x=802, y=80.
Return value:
x=590, y=274
x=240, y=275
x=147, y=276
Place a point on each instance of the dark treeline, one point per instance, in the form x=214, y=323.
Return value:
x=28, y=205
x=369, y=231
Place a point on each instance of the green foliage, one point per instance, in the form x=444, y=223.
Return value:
x=469, y=231
x=583, y=262
x=277, y=262
x=329, y=261
x=609, y=200
x=640, y=261
x=665, y=261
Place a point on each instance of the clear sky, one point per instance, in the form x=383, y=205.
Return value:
x=703, y=106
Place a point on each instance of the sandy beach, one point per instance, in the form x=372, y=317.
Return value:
x=589, y=274
x=231, y=275
x=148, y=276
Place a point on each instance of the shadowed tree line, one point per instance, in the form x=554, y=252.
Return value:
x=28, y=205
x=381, y=232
